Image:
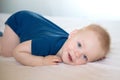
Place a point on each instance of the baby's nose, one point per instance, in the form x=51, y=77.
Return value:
x=78, y=54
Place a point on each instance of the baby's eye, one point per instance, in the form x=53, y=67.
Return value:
x=85, y=57
x=79, y=44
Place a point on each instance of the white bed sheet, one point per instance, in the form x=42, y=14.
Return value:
x=107, y=69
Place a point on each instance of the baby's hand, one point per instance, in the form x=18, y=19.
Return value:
x=51, y=60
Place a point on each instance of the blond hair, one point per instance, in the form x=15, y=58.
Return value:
x=103, y=36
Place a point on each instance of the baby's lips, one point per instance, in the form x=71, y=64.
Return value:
x=70, y=58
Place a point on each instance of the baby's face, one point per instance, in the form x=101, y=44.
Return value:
x=81, y=48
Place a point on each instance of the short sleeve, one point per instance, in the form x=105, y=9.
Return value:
x=40, y=47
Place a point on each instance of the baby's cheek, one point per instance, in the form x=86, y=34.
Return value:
x=67, y=48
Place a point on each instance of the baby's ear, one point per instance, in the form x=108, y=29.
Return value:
x=73, y=33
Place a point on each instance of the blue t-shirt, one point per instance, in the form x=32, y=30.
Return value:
x=47, y=38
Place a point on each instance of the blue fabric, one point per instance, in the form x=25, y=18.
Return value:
x=47, y=38
x=1, y=34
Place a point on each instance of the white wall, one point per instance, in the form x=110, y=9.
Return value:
x=92, y=9
x=47, y=7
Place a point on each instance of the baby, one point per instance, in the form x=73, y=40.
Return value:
x=33, y=40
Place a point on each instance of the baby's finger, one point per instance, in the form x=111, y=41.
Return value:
x=57, y=60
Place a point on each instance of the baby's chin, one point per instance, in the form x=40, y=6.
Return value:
x=65, y=60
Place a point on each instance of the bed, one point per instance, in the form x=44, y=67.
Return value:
x=107, y=69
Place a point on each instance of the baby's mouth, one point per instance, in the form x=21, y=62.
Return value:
x=70, y=57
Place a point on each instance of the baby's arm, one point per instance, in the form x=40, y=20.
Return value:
x=22, y=54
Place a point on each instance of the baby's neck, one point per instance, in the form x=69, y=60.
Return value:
x=59, y=53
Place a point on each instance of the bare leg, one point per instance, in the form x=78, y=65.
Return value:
x=8, y=42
